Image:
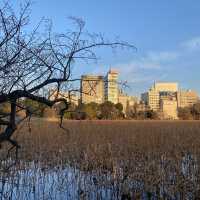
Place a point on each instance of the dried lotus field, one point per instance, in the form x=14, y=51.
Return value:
x=103, y=160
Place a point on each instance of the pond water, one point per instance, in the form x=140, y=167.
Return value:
x=35, y=181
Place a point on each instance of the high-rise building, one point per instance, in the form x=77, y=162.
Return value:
x=153, y=97
x=111, y=86
x=126, y=101
x=92, y=89
x=162, y=97
x=168, y=107
x=187, y=98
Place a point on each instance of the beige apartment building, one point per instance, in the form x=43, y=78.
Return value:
x=126, y=100
x=153, y=96
x=111, y=86
x=169, y=108
x=162, y=97
x=92, y=89
x=187, y=98
x=152, y=99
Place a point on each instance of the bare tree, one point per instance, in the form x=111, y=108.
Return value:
x=31, y=62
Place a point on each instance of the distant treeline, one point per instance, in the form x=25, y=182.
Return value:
x=190, y=113
x=106, y=110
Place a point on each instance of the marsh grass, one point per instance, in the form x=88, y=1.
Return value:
x=121, y=159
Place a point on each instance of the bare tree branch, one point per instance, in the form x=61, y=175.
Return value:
x=32, y=62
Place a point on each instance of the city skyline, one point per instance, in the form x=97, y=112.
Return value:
x=166, y=34
x=126, y=89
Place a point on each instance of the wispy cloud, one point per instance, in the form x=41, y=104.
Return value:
x=192, y=44
x=158, y=65
x=163, y=56
x=146, y=68
x=151, y=60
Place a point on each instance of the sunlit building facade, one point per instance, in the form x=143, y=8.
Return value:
x=111, y=86
x=126, y=100
x=169, y=107
x=92, y=89
x=153, y=97
x=187, y=98
x=162, y=97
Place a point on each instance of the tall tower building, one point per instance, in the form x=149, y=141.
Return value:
x=111, y=86
x=187, y=98
x=159, y=91
x=92, y=89
x=163, y=97
x=152, y=99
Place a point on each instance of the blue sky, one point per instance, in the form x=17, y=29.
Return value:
x=166, y=33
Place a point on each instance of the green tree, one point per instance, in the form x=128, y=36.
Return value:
x=185, y=113
x=79, y=115
x=34, y=107
x=70, y=112
x=196, y=110
x=141, y=115
x=87, y=111
x=119, y=107
x=150, y=114
x=90, y=111
x=108, y=111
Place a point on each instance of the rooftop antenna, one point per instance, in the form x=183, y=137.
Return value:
x=154, y=83
x=110, y=69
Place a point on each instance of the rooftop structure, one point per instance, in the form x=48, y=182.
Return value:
x=165, y=87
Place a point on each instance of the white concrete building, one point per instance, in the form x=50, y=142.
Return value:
x=111, y=86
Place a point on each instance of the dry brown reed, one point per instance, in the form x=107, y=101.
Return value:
x=163, y=156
